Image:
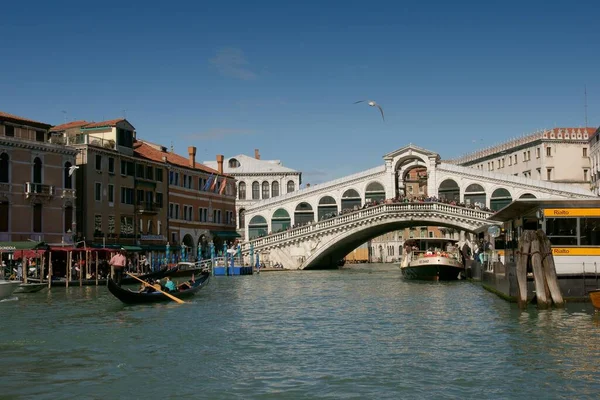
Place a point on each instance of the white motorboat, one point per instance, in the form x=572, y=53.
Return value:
x=7, y=288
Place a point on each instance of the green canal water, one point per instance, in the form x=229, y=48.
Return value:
x=358, y=333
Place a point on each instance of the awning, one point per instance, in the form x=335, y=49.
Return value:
x=28, y=245
x=226, y=234
x=28, y=253
x=131, y=248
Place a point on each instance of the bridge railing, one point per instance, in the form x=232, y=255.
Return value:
x=365, y=213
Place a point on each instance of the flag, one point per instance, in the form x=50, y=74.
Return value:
x=214, y=185
x=208, y=182
x=223, y=185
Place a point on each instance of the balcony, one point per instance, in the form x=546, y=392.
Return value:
x=93, y=141
x=148, y=208
x=68, y=194
x=38, y=190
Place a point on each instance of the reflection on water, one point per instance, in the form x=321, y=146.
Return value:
x=361, y=332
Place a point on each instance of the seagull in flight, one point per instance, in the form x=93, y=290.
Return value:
x=72, y=169
x=372, y=104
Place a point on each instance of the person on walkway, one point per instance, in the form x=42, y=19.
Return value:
x=117, y=262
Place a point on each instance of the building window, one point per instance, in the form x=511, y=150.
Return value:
x=255, y=191
x=291, y=186
x=123, y=167
x=548, y=151
x=37, y=170
x=98, y=162
x=233, y=163
x=176, y=211
x=111, y=193
x=150, y=172
x=242, y=190
x=549, y=173
x=37, y=217
x=265, y=190
x=126, y=226
x=171, y=209
x=585, y=174
x=4, y=168
x=126, y=195
x=140, y=196
x=158, y=227
x=275, y=189
x=111, y=225
x=68, y=218
x=585, y=152
x=537, y=152
x=40, y=136
x=9, y=131
x=111, y=165
x=516, y=157
x=4, y=210
x=139, y=171
x=68, y=177
x=98, y=191
x=159, y=199
x=159, y=175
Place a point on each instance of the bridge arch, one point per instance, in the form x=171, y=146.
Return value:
x=327, y=207
x=527, y=196
x=280, y=221
x=350, y=199
x=500, y=198
x=303, y=214
x=449, y=190
x=257, y=227
x=374, y=191
x=475, y=193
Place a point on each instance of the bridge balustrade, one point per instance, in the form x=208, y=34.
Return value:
x=362, y=214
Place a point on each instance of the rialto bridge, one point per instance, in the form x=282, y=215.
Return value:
x=319, y=225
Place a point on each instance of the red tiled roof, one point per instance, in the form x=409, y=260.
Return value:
x=144, y=150
x=112, y=122
x=69, y=125
x=16, y=117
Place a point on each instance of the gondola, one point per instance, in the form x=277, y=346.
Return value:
x=163, y=272
x=133, y=297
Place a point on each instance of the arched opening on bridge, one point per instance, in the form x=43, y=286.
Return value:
x=188, y=247
x=374, y=192
x=327, y=208
x=304, y=214
x=257, y=227
x=280, y=221
x=449, y=191
x=350, y=200
x=415, y=182
x=500, y=199
x=475, y=195
x=527, y=196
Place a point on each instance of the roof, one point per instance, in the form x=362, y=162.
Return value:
x=144, y=150
x=69, y=125
x=21, y=119
x=111, y=122
x=250, y=165
x=523, y=207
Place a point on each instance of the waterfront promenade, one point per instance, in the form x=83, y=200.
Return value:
x=359, y=332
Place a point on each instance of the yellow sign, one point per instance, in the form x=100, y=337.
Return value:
x=572, y=212
x=576, y=251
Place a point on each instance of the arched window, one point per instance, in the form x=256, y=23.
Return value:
x=275, y=189
x=242, y=191
x=255, y=191
x=291, y=186
x=37, y=170
x=265, y=190
x=4, y=165
x=68, y=178
x=233, y=163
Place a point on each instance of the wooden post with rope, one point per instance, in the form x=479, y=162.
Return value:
x=535, y=248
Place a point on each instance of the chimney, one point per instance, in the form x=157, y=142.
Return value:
x=220, y=163
x=256, y=154
x=192, y=154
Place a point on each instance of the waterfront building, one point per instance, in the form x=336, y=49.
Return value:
x=258, y=180
x=201, y=202
x=560, y=155
x=595, y=161
x=121, y=196
x=37, y=194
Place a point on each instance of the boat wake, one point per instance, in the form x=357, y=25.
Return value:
x=15, y=298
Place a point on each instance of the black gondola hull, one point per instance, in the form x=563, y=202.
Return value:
x=130, y=297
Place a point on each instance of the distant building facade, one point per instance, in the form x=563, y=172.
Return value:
x=122, y=197
x=559, y=155
x=257, y=179
x=595, y=161
x=37, y=195
x=201, y=202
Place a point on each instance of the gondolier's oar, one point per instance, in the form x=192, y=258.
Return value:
x=158, y=290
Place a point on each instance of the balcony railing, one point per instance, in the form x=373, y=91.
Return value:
x=38, y=189
x=93, y=141
x=148, y=207
x=68, y=194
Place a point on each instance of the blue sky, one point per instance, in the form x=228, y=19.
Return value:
x=232, y=76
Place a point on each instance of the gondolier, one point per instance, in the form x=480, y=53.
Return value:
x=117, y=262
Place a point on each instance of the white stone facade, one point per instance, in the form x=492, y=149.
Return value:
x=595, y=161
